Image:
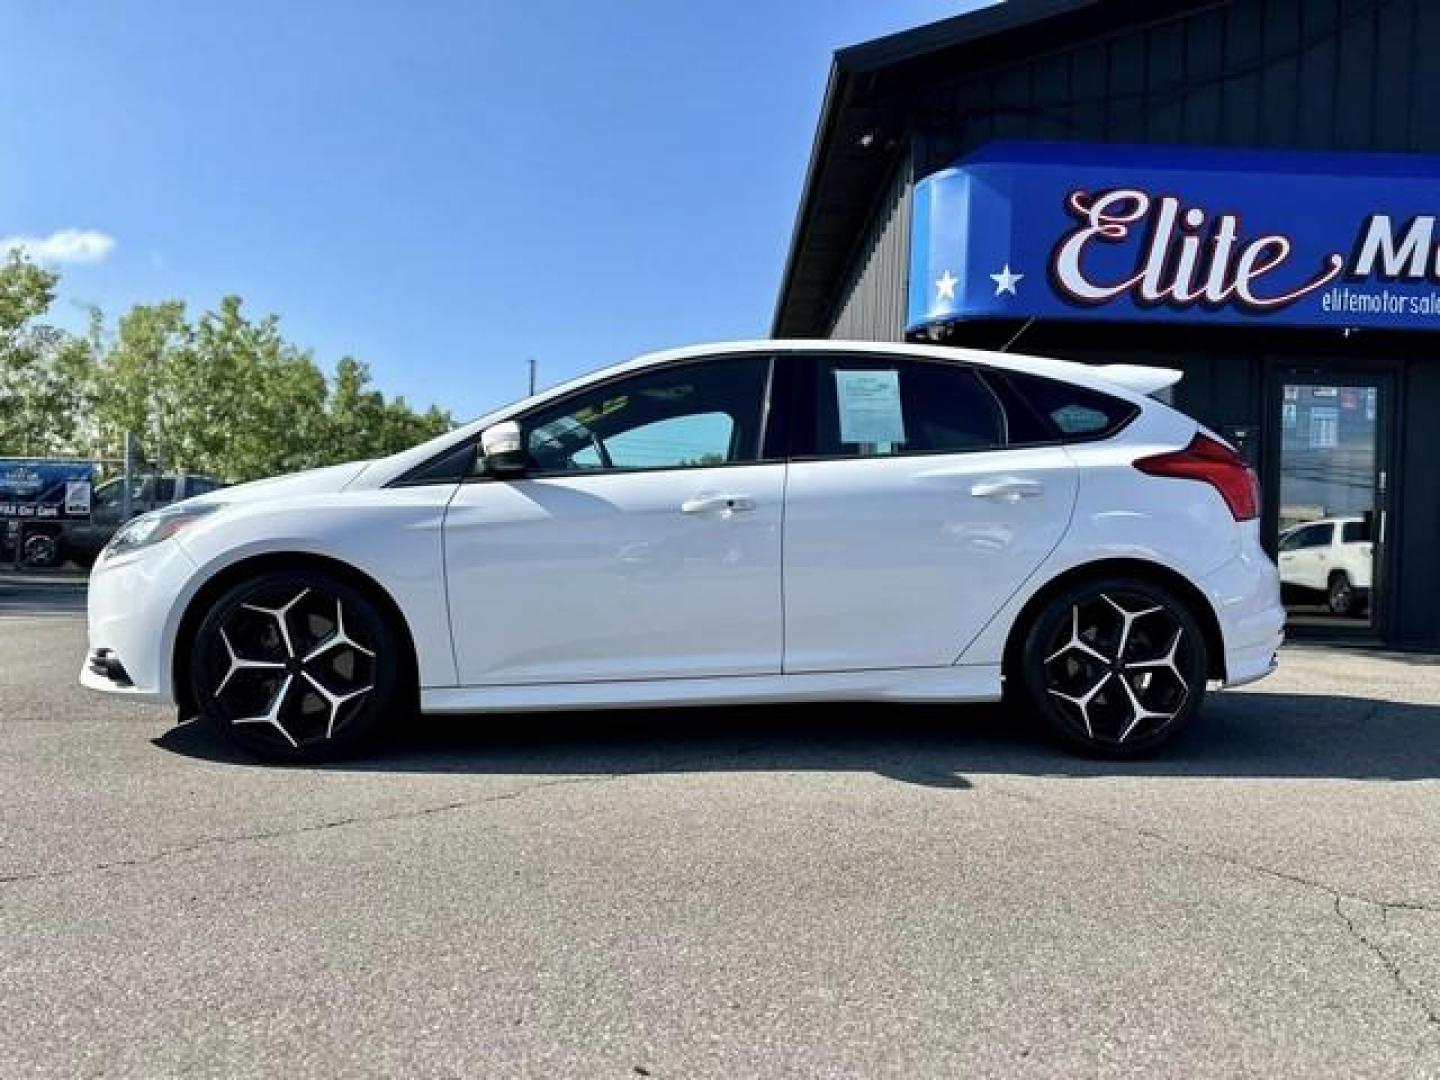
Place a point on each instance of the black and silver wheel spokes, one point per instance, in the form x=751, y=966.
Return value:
x=1117, y=667
x=293, y=666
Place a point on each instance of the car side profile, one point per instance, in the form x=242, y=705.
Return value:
x=764, y=521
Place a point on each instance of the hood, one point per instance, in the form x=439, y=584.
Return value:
x=324, y=481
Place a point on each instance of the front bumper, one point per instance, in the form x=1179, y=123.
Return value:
x=133, y=610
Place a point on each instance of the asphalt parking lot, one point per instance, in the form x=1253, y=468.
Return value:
x=722, y=893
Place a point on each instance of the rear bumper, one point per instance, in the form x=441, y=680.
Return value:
x=1249, y=665
x=1245, y=593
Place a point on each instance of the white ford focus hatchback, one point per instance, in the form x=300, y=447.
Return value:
x=757, y=522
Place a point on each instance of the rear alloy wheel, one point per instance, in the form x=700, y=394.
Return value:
x=1341, y=594
x=1115, y=668
x=295, y=666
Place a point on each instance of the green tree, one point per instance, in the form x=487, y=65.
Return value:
x=254, y=404
x=26, y=293
x=140, y=381
x=363, y=424
x=46, y=375
x=355, y=412
x=226, y=394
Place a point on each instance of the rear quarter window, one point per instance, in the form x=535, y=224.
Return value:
x=1356, y=532
x=1075, y=413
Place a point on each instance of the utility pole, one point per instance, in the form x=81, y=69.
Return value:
x=531, y=361
x=132, y=446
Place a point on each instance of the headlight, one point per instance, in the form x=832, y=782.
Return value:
x=156, y=526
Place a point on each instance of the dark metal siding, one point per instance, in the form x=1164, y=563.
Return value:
x=1317, y=74
x=871, y=303
x=1320, y=74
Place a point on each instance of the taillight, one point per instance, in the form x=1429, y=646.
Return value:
x=1216, y=464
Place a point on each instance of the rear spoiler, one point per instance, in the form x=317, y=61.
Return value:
x=1138, y=379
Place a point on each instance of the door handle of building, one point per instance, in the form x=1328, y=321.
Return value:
x=1007, y=489
x=712, y=504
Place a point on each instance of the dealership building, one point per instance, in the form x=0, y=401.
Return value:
x=1244, y=190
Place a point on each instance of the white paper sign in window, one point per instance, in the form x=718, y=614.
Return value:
x=869, y=407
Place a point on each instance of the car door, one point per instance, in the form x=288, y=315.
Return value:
x=642, y=542
x=911, y=513
x=1354, y=552
x=1304, y=556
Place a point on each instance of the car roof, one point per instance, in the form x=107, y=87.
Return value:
x=1069, y=370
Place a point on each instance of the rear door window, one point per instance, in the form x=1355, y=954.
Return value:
x=886, y=406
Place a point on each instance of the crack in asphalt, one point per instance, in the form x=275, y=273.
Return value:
x=1432, y=1014
x=1338, y=896
x=300, y=830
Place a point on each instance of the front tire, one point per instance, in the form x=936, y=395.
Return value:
x=41, y=550
x=295, y=666
x=1114, y=668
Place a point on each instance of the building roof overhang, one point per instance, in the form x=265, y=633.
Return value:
x=864, y=125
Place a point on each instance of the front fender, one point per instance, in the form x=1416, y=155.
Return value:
x=394, y=537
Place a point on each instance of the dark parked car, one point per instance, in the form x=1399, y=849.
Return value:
x=50, y=544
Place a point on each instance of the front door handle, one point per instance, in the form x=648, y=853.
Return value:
x=713, y=504
x=1007, y=489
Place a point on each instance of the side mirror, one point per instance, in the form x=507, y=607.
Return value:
x=502, y=448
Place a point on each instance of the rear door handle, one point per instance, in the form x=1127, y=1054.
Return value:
x=1007, y=489
x=713, y=504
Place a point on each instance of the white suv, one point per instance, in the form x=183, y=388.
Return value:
x=1331, y=558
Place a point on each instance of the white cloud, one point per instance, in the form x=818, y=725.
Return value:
x=63, y=246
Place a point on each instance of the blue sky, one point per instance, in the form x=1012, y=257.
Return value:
x=438, y=187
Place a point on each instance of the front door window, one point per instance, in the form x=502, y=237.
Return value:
x=681, y=417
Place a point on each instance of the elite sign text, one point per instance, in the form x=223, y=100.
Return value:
x=1060, y=231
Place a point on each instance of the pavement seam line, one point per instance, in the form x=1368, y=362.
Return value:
x=317, y=827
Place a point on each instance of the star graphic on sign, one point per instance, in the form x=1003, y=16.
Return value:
x=1005, y=281
x=945, y=286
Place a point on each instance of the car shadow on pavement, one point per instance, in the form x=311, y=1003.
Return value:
x=1237, y=735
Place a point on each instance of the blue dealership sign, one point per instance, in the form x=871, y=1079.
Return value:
x=45, y=490
x=1083, y=231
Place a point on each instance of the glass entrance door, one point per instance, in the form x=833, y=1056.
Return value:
x=1331, y=505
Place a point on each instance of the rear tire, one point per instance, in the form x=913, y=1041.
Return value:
x=1113, y=668
x=296, y=666
x=1340, y=595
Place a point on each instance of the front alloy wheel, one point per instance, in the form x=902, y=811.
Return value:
x=294, y=666
x=1115, y=668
